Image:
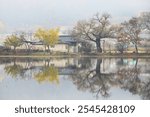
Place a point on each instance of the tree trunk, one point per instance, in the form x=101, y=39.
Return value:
x=98, y=66
x=98, y=45
x=27, y=48
x=45, y=49
x=136, y=48
x=136, y=63
x=14, y=50
x=49, y=49
x=122, y=49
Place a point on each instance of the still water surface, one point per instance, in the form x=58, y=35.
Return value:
x=72, y=78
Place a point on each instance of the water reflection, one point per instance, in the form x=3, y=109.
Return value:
x=94, y=77
x=48, y=74
x=14, y=70
x=94, y=80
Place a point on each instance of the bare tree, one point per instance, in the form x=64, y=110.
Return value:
x=94, y=30
x=86, y=47
x=131, y=31
x=121, y=47
x=145, y=20
x=25, y=41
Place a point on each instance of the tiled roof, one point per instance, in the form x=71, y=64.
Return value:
x=62, y=40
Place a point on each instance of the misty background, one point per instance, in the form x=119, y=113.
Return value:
x=32, y=14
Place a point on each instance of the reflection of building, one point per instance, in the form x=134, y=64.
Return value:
x=113, y=73
x=65, y=66
x=46, y=62
x=68, y=65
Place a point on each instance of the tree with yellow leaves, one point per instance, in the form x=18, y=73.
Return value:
x=13, y=41
x=49, y=37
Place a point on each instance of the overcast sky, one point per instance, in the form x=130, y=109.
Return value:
x=28, y=14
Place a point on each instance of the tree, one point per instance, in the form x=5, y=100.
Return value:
x=13, y=41
x=48, y=37
x=25, y=41
x=94, y=30
x=85, y=47
x=145, y=20
x=130, y=32
x=121, y=47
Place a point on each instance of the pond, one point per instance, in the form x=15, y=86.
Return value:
x=75, y=78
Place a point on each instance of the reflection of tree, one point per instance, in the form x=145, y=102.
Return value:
x=20, y=68
x=26, y=68
x=93, y=80
x=145, y=92
x=1, y=79
x=128, y=79
x=48, y=74
x=87, y=75
x=14, y=70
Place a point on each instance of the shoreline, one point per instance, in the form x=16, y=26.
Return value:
x=78, y=56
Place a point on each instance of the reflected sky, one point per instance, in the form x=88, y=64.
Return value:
x=83, y=78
